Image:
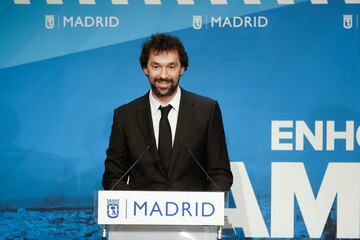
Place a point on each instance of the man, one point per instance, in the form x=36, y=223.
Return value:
x=176, y=134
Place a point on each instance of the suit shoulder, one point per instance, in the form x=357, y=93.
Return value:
x=132, y=105
x=199, y=99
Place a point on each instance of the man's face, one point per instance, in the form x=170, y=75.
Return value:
x=164, y=70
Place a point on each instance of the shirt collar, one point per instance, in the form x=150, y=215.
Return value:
x=175, y=101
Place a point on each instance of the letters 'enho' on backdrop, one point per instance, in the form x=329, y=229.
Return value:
x=285, y=72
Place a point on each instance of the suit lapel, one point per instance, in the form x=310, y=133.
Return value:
x=144, y=120
x=183, y=124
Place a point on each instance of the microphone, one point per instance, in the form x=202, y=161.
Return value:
x=201, y=167
x=132, y=166
x=104, y=231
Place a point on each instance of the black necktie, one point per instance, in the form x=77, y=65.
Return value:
x=165, y=140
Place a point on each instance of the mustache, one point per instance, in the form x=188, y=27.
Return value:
x=166, y=80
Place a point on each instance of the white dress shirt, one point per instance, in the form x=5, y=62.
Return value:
x=172, y=117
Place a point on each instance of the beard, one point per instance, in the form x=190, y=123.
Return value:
x=164, y=92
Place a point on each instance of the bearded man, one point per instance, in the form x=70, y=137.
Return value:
x=169, y=139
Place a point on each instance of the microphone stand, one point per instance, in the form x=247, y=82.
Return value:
x=219, y=228
x=219, y=233
x=104, y=226
x=103, y=232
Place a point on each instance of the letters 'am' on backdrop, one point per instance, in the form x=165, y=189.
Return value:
x=286, y=74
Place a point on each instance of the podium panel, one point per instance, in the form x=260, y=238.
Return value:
x=147, y=232
x=161, y=215
x=160, y=208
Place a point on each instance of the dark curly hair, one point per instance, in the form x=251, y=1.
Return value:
x=162, y=42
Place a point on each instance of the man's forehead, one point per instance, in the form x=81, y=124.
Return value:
x=172, y=53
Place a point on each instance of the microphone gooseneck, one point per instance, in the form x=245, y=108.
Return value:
x=132, y=166
x=201, y=167
x=104, y=231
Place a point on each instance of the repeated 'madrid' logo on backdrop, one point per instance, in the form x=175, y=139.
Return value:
x=347, y=21
x=49, y=21
x=112, y=208
x=230, y=22
x=81, y=21
x=197, y=22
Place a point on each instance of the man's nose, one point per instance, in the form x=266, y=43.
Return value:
x=163, y=73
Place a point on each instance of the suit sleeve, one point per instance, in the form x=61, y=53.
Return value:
x=218, y=164
x=116, y=162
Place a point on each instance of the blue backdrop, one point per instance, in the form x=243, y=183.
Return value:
x=59, y=86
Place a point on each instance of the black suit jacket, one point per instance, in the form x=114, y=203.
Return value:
x=199, y=126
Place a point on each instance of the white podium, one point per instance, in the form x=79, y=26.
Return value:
x=161, y=215
x=166, y=232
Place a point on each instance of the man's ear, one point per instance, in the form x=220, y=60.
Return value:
x=182, y=71
x=145, y=71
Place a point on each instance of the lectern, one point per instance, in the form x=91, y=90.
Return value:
x=161, y=215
